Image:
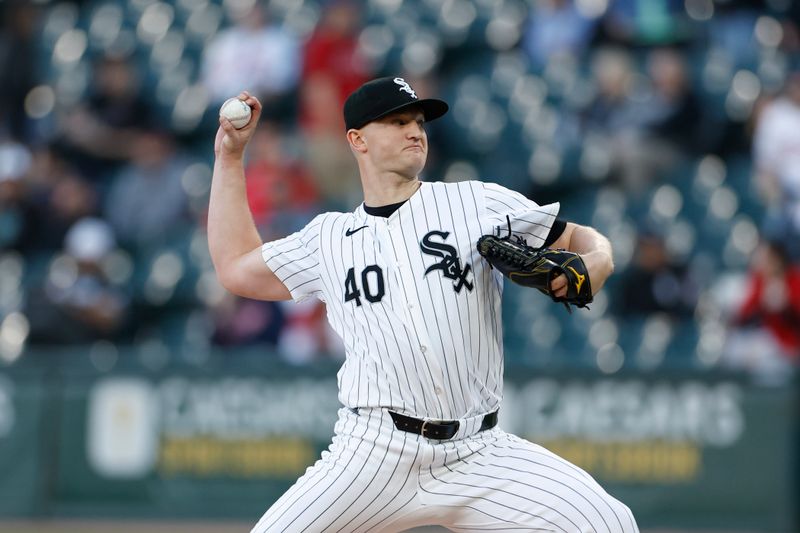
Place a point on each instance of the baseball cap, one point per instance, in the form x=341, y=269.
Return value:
x=379, y=97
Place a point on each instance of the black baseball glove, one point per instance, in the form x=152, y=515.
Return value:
x=532, y=267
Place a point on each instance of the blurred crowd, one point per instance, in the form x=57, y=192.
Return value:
x=672, y=126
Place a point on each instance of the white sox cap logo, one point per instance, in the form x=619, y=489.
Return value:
x=404, y=86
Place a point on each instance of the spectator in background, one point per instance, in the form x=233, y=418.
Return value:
x=280, y=189
x=101, y=131
x=663, y=122
x=656, y=282
x=645, y=22
x=556, y=28
x=332, y=52
x=764, y=334
x=331, y=163
x=53, y=195
x=15, y=163
x=333, y=67
x=70, y=198
x=78, y=303
x=650, y=123
x=607, y=116
x=18, y=51
x=254, y=54
x=612, y=72
x=305, y=335
x=147, y=204
x=731, y=29
x=776, y=158
x=245, y=322
x=673, y=110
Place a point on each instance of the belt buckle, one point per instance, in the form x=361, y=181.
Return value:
x=422, y=429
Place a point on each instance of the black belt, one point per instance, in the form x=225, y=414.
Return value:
x=439, y=429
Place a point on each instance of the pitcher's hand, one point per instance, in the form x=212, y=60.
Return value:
x=231, y=142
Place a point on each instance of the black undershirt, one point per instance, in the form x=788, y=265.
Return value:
x=386, y=211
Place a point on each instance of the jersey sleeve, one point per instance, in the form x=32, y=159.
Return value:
x=295, y=261
x=529, y=220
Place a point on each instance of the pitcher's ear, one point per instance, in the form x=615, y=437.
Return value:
x=356, y=140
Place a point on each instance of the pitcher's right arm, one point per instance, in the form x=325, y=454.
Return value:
x=233, y=239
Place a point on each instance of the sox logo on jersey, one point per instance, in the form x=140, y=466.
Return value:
x=450, y=265
x=419, y=313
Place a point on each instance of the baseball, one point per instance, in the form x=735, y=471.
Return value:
x=236, y=111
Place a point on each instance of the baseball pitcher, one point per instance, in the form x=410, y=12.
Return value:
x=412, y=280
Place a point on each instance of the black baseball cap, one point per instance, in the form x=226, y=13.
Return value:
x=379, y=97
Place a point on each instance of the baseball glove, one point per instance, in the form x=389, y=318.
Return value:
x=532, y=267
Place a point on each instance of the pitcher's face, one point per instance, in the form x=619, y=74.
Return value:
x=398, y=143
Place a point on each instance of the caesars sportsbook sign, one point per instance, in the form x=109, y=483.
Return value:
x=206, y=428
x=630, y=430
x=682, y=450
x=620, y=430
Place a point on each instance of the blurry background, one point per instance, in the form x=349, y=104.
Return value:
x=133, y=387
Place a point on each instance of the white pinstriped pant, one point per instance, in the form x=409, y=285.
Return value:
x=376, y=478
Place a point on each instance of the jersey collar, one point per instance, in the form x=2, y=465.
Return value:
x=396, y=209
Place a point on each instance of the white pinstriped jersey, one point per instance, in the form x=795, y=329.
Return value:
x=418, y=310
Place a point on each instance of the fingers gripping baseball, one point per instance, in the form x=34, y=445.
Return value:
x=232, y=141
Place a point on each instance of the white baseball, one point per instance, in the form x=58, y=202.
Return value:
x=236, y=111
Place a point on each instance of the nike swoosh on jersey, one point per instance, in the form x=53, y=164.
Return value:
x=350, y=231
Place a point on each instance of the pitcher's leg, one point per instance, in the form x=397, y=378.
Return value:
x=501, y=481
x=365, y=476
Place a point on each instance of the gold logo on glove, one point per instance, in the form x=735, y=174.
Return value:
x=580, y=279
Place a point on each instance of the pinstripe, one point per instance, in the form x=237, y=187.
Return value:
x=374, y=477
x=403, y=359
x=379, y=361
x=490, y=277
x=380, y=491
x=428, y=407
x=482, y=303
x=525, y=448
x=293, y=274
x=447, y=352
x=352, y=482
x=504, y=204
x=295, y=287
x=406, y=504
x=473, y=364
x=463, y=379
x=459, y=494
x=578, y=475
x=560, y=466
x=379, y=372
x=327, y=477
x=506, y=526
x=532, y=486
x=301, y=487
x=358, y=367
x=554, y=480
x=503, y=527
x=335, y=312
x=383, y=307
x=477, y=499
